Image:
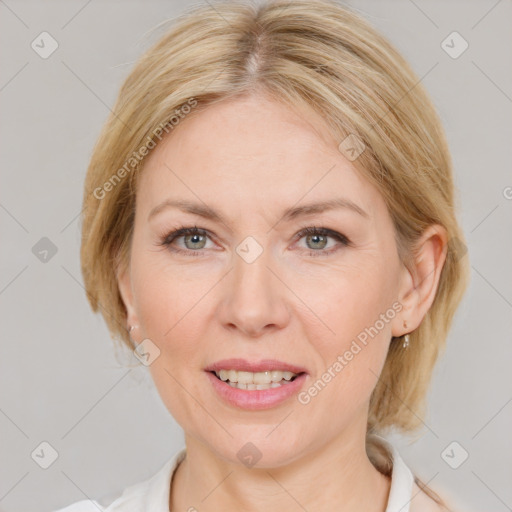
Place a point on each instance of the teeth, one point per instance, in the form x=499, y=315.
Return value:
x=259, y=378
x=255, y=386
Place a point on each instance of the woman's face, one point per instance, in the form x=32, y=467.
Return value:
x=253, y=287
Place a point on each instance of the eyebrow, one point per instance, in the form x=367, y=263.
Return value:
x=202, y=210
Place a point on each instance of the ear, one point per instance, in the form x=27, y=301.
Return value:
x=124, y=283
x=418, y=285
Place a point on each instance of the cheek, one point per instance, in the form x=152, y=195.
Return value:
x=165, y=307
x=159, y=287
x=357, y=308
x=157, y=300
x=170, y=304
x=353, y=299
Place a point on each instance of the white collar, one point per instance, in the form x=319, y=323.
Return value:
x=402, y=479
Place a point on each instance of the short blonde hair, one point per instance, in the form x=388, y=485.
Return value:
x=324, y=57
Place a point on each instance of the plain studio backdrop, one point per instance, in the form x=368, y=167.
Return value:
x=96, y=417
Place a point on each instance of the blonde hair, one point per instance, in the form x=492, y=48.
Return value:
x=314, y=54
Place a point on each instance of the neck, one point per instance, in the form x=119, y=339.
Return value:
x=337, y=476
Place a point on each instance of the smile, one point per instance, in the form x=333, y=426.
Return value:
x=252, y=396
x=255, y=380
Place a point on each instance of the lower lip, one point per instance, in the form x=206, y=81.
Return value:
x=256, y=399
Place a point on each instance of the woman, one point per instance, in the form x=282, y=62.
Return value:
x=269, y=222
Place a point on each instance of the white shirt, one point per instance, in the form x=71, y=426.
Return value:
x=153, y=494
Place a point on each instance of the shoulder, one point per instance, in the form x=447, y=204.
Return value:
x=149, y=494
x=130, y=500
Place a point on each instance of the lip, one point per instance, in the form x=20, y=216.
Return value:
x=243, y=365
x=256, y=399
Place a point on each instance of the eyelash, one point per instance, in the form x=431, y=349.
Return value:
x=188, y=230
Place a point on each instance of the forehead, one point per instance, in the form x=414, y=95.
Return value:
x=255, y=153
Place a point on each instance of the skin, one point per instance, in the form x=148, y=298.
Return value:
x=251, y=158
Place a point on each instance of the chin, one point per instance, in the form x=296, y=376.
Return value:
x=258, y=446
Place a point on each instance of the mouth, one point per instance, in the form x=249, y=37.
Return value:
x=255, y=385
x=256, y=380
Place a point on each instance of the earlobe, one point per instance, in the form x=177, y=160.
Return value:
x=420, y=282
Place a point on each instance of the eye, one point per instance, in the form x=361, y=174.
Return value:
x=318, y=238
x=194, y=239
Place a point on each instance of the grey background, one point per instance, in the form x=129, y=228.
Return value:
x=61, y=381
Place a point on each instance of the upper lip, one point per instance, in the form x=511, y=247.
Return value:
x=265, y=365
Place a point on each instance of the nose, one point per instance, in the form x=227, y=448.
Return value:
x=254, y=298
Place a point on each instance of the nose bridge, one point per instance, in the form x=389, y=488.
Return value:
x=251, y=261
